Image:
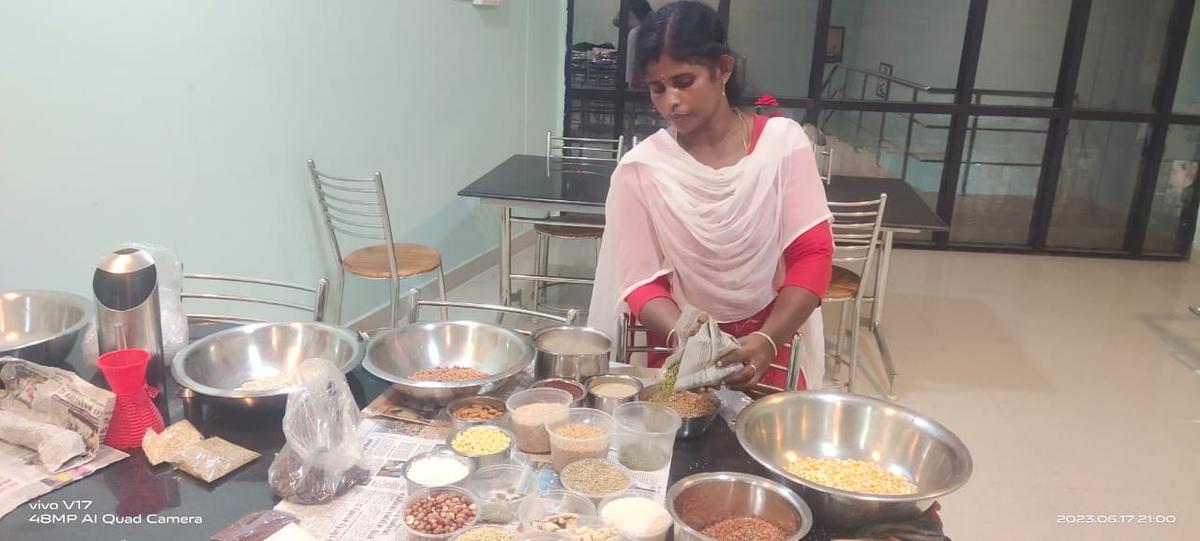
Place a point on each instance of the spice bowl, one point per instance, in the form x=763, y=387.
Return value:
x=417, y=479
x=577, y=390
x=459, y=423
x=704, y=499
x=412, y=529
x=595, y=478
x=528, y=416
x=474, y=442
x=553, y=503
x=500, y=490
x=608, y=402
x=645, y=435
x=583, y=433
x=692, y=423
x=637, y=515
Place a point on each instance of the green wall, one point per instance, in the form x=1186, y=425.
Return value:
x=187, y=124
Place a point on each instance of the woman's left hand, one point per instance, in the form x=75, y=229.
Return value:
x=755, y=354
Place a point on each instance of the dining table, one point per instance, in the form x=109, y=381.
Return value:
x=133, y=500
x=554, y=185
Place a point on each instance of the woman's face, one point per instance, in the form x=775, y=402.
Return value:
x=687, y=94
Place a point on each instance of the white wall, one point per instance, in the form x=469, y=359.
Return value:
x=186, y=124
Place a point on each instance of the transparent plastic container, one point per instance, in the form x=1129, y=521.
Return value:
x=648, y=511
x=565, y=450
x=645, y=435
x=596, y=497
x=551, y=503
x=499, y=491
x=529, y=427
x=415, y=535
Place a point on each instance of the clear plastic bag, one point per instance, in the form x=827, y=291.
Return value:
x=213, y=458
x=170, y=304
x=320, y=459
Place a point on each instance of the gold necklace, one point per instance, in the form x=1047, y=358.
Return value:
x=745, y=130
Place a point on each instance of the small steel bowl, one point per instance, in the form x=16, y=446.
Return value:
x=783, y=427
x=414, y=486
x=216, y=365
x=482, y=400
x=698, y=501
x=395, y=354
x=608, y=404
x=42, y=326
x=577, y=390
x=691, y=427
x=485, y=461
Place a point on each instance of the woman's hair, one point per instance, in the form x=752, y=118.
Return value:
x=687, y=31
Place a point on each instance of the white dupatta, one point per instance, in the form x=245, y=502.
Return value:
x=719, y=233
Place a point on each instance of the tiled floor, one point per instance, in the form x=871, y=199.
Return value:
x=1074, y=382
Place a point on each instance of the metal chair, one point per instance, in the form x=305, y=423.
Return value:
x=358, y=208
x=822, y=149
x=856, y=238
x=316, y=309
x=585, y=155
x=415, y=303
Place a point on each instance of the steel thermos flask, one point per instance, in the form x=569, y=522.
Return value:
x=125, y=285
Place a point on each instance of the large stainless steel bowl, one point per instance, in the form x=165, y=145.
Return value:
x=42, y=326
x=216, y=365
x=395, y=354
x=698, y=501
x=783, y=427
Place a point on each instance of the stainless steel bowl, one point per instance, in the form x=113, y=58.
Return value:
x=216, y=365
x=783, y=427
x=486, y=461
x=571, y=352
x=698, y=501
x=577, y=390
x=395, y=354
x=437, y=452
x=482, y=400
x=691, y=427
x=42, y=326
x=609, y=404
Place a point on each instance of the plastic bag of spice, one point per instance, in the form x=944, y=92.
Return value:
x=321, y=457
x=256, y=526
x=213, y=458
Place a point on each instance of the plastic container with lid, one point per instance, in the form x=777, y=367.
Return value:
x=551, y=503
x=637, y=514
x=529, y=427
x=645, y=435
x=566, y=449
x=499, y=491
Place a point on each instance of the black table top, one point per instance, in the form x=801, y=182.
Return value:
x=133, y=490
x=522, y=178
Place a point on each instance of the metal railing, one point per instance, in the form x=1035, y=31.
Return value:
x=914, y=90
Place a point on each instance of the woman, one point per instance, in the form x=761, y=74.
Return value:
x=723, y=211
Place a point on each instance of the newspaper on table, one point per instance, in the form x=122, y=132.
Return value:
x=58, y=397
x=35, y=396
x=23, y=478
x=374, y=510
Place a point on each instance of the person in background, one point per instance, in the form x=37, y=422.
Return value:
x=639, y=11
x=723, y=210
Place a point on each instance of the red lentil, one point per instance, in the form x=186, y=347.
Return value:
x=745, y=529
